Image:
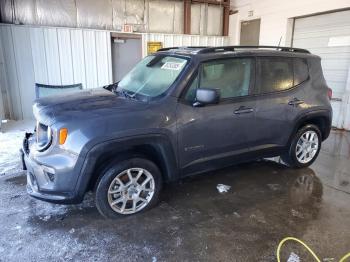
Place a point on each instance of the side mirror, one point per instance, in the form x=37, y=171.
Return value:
x=206, y=96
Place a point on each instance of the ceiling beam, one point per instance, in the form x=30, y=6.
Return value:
x=226, y=18
x=213, y=2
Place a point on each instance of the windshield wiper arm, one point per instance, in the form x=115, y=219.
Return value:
x=111, y=87
x=126, y=94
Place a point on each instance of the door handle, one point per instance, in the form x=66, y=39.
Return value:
x=295, y=101
x=243, y=110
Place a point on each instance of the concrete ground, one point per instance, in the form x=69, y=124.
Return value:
x=194, y=222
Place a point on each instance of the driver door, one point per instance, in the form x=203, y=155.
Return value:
x=211, y=136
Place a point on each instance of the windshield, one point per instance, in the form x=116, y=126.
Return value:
x=152, y=76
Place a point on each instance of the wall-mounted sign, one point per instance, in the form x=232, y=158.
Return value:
x=128, y=29
x=153, y=47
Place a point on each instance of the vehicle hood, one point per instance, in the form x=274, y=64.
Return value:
x=85, y=104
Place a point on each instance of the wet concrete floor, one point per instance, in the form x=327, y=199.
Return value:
x=194, y=222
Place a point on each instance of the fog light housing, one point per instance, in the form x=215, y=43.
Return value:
x=50, y=176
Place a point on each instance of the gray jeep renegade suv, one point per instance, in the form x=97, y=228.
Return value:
x=180, y=111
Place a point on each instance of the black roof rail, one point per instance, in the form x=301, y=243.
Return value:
x=181, y=47
x=212, y=49
x=167, y=48
x=234, y=48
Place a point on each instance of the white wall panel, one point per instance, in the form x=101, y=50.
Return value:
x=170, y=40
x=3, y=84
x=211, y=40
x=25, y=69
x=78, y=58
x=109, y=57
x=177, y=40
x=186, y=40
x=11, y=73
x=52, y=56
x=203, y=41
x=65, y=56
x=2, y=110
x=90, y=58
x=39, y=55
x=102, y=58
x=195, y=40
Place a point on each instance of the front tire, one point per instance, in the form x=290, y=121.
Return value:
x=304, y=147
x=128, y=187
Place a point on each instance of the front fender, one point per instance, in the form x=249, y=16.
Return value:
x=90, y=156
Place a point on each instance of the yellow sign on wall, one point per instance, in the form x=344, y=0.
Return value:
x=153, y=47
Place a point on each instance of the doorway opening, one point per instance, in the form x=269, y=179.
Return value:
x=126, y=53
x=250, y=32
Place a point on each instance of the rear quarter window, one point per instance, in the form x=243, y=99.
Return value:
x=301, y=71
x=274, y=74
x=280, y=73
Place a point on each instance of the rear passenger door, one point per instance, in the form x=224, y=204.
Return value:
x=279, y=89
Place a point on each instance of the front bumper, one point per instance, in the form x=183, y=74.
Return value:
x=48, y=182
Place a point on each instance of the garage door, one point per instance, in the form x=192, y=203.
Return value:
x=328, y=35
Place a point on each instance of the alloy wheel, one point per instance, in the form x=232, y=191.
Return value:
x=131, y=190
x=307, y=147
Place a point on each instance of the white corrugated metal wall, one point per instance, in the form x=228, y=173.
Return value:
x=54, y=56
x=3, y=97
x=328, y=35
x=58, y=56
x=170, y=40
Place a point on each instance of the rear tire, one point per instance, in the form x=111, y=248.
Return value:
x=304, y=147
x=128, y=187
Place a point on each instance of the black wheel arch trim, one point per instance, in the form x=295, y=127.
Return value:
x=327, y=114
x=89, y=157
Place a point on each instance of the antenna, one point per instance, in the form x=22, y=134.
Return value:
x=279, y=43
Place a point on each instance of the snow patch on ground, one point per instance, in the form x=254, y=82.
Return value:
x=223, y=188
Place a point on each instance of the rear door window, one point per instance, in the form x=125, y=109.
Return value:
x=274, y=74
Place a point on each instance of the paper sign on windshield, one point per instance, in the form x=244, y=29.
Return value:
x=172, y=65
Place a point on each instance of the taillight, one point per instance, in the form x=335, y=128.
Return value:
x=330, y=93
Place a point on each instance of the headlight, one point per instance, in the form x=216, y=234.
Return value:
x=43, y=136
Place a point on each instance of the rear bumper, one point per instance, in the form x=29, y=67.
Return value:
x=48, y=183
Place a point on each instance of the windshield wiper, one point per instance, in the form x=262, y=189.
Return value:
x=126, y=94
x=111, y=87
